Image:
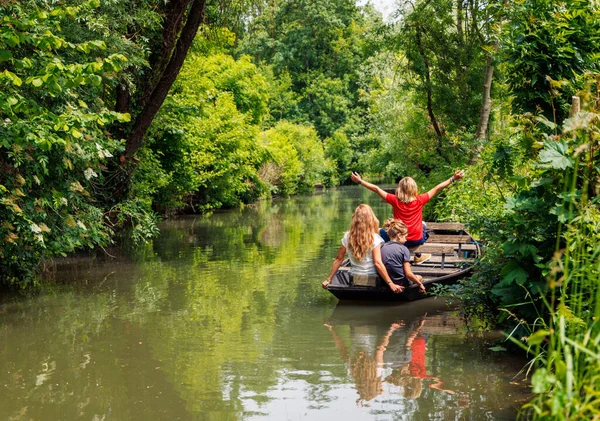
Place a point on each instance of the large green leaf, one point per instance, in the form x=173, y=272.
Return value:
x=554, y=156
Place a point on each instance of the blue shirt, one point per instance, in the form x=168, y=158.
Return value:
x=394, y=255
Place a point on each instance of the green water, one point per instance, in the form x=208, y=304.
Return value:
x=223, y=318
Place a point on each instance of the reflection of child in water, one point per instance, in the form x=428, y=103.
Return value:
x=410, y=376
x=364, y=368
x=366, y=376
x=367, y=370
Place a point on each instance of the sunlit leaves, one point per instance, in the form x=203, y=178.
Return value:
x=546, y=41
x=53, y=143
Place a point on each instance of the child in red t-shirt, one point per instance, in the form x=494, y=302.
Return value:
x=408, y=207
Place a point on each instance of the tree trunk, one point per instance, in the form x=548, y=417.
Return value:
x=156, y=94
x=459, y=21
x=123, y=100
x=427, y=76
x=486, y=100
x=174, y=16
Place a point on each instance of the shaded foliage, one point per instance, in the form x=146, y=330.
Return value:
x=545, y=42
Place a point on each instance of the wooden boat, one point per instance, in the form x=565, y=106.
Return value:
x=453, y=254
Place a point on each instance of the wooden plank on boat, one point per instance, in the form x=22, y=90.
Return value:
x=437, y=248
x=440, y=248
x=450, y=259
x=445, y=226
x=433, y=271
x=442, y=238
x=467, y=247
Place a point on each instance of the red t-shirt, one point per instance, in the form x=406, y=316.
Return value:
x=417, y=363
x=410, y=213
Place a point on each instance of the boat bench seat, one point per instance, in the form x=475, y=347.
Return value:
x=436, y=248
x=446, y=239
x=445, y=226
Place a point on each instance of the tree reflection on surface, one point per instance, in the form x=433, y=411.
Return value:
x=221, y=318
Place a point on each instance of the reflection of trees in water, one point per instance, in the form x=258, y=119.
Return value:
x=205, y=314
x=62, y=360
x=230, y=276
x=271, y=229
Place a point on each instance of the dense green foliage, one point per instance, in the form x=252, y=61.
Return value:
x=542, y=247
x=566, y=343
x=321, y=45
x=548, y=47
x=54, y=142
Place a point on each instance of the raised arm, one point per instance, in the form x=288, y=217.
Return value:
x=385, y=341
x=383, y=272
x=358, y=179
x=458, y=174
x=338, y=342
x=336, y=265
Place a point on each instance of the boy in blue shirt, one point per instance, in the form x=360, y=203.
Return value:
x=396, y=257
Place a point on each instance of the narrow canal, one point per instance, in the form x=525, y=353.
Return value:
x=223, y=318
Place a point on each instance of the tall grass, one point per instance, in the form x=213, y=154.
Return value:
x=566, y=340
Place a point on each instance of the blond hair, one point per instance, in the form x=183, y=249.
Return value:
x=364, y=371
x=397, y=229
x=407, y=190
x=364, y=224
x=387, y=223
x=412, y=387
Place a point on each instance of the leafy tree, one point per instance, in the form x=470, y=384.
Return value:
x=205, y=139
x=320, y=45
x=443, y=47
x=339, y=151
x=54, y=143
x=547, y=46
x=296, y=158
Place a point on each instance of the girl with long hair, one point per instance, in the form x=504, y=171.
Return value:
x=363, y=245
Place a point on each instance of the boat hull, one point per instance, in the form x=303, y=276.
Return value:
x=384, y=293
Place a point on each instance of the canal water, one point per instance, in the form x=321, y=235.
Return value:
x=223, y=318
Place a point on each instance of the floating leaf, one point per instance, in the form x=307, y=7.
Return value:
x=497, y=348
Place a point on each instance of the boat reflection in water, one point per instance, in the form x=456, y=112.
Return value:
x=405, y=359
